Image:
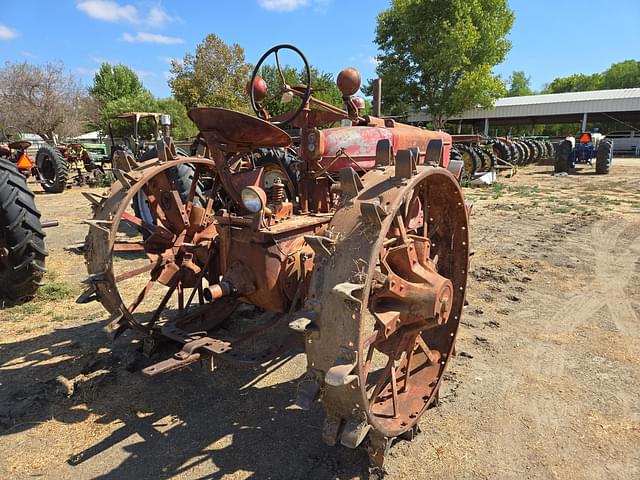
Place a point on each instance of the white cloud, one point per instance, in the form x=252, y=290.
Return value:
x=372, y=61
x=167, y=75
x=145, y=37
x=145, y=73
x=86, y=71
x=157, y=17
x=6, y=33
x=109, y=11
x=283, y=5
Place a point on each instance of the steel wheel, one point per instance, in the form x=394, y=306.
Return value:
x=142, y=270
x=389, y=302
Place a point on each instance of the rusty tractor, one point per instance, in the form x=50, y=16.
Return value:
x=354, y=240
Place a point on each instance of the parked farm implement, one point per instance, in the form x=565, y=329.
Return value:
x=354, y=239
x=588, y=147
x=49, y=168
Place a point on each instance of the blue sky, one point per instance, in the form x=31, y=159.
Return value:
x=550, y=38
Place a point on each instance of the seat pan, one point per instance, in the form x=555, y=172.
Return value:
x=237, y=130
x=19, y=144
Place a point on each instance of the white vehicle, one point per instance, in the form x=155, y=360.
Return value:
x=626, y=141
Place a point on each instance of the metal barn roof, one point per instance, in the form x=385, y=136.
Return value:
x=550, y=105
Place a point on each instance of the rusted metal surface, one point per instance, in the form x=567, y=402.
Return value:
x=235, y=130
x=359, y=248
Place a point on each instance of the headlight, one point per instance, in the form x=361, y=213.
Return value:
x=253, y=199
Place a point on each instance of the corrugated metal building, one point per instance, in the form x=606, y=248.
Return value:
x=600, y=105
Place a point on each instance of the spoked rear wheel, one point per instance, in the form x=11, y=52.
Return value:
x=143, y=268
x=388, y=301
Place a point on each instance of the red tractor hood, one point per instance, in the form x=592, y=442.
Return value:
x=360, y=143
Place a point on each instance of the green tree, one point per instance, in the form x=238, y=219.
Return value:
x=112, y=82
x=622, y=75
x=215, y=76
x=440, y=53
x=324, y=87
x=118, y=89
x=181, y=125
x=519, y=84
x=575, y=83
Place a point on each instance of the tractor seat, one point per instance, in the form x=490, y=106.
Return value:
x=235, y=131
x=19, y=144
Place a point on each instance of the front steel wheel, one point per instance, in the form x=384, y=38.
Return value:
x=388, y=302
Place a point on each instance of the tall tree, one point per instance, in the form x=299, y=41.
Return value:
x=118, y=89
x=575, y=83
x=181, y=125
x=440, y=53
x=215, y=76
x=622, y=75
x=519, y=84
x=112, y=82
x=41, y=99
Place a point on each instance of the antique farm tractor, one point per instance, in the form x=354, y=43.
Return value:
x=352, y=241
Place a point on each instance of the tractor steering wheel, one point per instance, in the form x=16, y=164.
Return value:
x=285, y=87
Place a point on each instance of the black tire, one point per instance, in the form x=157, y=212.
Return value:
x=533, y=149
x=550, y=150
x=491, y=159
x=562, y=161
x=53, y=169
x=484, y=161
x=455, y=154
x=514, y=153
x=470, y=159
x=22, y=270
x=501, y=150
x=182, y=177
x=522, y=153
x=604, y=157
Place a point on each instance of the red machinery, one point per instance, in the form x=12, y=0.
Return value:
x=355, y=239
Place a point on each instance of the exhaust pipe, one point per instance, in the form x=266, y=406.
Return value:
x=219, y=290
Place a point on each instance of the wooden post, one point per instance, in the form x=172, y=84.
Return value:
x=377, y=96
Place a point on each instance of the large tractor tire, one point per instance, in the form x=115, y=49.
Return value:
x=181, y=175
x=501, y=150
x=53, y=169
x=22, y=250
x=455, y=154
x=534, y=152
x=604, y=157
x=562, y=161
x=488, y=159
x=470, y=158
x=521, y=158
x=514, y=153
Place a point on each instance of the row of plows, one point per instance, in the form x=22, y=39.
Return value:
x=354, y=239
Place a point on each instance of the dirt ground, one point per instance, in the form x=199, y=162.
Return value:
x=546, y=382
